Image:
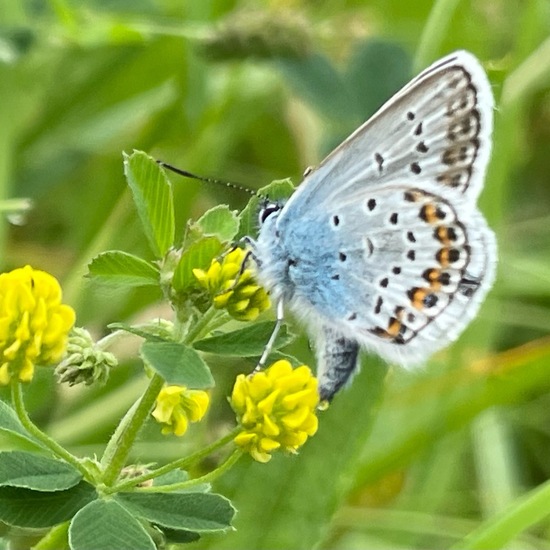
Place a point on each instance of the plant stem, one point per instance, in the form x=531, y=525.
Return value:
x=46, y=440
x=181, y=463
x=433, y=33
x=502, y=528
x=120, y=444
x=529, y=77
x=201, y=325
x=207, y=478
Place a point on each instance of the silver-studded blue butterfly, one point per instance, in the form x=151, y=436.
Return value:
x=382, y=246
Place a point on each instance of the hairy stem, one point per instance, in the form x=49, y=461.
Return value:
x=181, y=463
x=207, y=478
x=120, y=444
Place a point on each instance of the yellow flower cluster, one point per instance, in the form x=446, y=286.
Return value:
x=276, y=408
x=177, y=406
x=34, y=324
x=233, y=288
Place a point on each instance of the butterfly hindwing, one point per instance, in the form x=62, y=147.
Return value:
x=401, y=270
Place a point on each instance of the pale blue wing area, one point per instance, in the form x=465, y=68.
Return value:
x=400, y=270
x=435, y=131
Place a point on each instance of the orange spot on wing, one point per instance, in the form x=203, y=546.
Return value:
x=417, y=296
x=442, y=257
x=394, y=327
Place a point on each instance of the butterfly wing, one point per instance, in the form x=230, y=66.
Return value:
x=405, y=278
x=436, y=130
x=383, y=244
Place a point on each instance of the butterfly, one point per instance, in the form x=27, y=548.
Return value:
x=382, y=246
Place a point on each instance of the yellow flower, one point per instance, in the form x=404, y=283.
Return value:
x=177, y=406
x=33, y=323
x=235, y=290
x=276, y=409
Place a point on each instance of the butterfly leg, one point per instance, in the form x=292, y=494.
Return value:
x=337, y=361
x=272, y=338
x=250, y=243
x=249, y=254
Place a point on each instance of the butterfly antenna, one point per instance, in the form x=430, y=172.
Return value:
x=187, y=174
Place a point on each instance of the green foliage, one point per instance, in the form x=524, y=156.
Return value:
x=123, y=269
x=454, y=454
x=197, y=256
x=179, y=476
x=39, y=509
x=177, y=364
x=11, y=427
x=114, y=523
x=220, y=222
x=32, y=471
x=197, y=512
x=245, y=342
x=153, y=199
x=107, y=524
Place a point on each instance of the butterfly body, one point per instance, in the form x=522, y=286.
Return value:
x=382, y=246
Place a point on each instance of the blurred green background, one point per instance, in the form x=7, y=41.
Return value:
x=251, y=92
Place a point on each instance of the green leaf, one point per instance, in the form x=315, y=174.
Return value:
x=278, y=190
x=107, y=524
x=220, y=222
x=201, y=512
x=198, y=255
x=32, y=471
x=152, y=193
x=120, y=268
x=9, y=423
x=177, y=364
x=245, y=342
x=38, y=509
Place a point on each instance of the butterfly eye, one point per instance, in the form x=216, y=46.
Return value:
x=267, y=210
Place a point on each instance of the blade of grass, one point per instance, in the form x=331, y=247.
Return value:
x=504, y=527
x=434, y=32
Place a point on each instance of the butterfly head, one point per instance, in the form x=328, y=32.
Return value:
x=269, y=210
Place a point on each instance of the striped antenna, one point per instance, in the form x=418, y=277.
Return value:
x=187, y=174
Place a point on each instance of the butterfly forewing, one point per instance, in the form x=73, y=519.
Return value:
x=435, y=130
